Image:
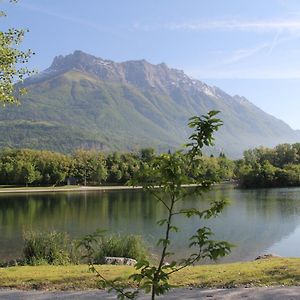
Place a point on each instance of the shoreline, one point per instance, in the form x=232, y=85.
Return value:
x=67, y=189
x=7, y=190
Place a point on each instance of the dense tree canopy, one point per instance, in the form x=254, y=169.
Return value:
x=265, y=167
x=36, y=167
x=260, y=167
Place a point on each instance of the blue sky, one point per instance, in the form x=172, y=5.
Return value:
x=245, y=47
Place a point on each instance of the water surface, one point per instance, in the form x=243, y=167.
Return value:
x=257, y=221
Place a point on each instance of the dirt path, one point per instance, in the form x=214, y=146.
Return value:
x=269, y=293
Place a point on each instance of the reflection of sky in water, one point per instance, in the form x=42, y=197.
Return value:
x=257, y=221
x=288, y=246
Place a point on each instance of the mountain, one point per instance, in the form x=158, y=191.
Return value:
x=82, y=101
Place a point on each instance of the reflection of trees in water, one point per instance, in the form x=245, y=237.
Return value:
x=254, y=220
x=76, y=213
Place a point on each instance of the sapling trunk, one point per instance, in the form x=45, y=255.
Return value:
x=164, y=250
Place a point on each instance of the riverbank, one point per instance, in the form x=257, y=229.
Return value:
x=66, y=188
x=265, y=272
x=72, y=188
x=79, y=188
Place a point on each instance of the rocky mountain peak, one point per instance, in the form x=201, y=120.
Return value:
x=78, y=59
x=140, y=73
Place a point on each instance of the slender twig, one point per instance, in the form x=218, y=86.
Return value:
x=115, y=287
x=159, y=199
x=187, y=264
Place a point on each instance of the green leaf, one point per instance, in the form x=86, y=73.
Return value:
x=162, y=222
x=174, y=228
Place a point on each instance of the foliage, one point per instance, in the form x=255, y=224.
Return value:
x=33, y=167
x=56, y=248
x=165, y=177
x=25, y=167
x=52, y=248
x=116, y=245
x=11, y=61
x=89, y=166
x=264, y=167
x=121, y=167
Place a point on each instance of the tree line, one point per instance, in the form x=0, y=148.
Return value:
x=259, y=167
x=90, y=167
x=265, y=167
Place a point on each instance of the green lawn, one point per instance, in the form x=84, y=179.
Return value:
x=267, y=272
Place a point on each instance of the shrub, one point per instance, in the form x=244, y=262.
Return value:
x=98, y=245
x=130, y=246
x=54, y=248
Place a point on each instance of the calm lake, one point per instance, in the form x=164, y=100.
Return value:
x=256, y=221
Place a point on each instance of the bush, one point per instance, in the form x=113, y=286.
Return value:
x=130, y=246
x=54, y=248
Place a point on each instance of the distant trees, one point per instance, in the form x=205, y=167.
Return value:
x=265, y=167
x=88, y=166
x=91, y=167
x=260, y=167
x=23, y=167
x=121, y=167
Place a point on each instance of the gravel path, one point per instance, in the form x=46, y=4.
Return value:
x=269, y=293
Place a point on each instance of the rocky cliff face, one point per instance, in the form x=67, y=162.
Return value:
x=139, y=73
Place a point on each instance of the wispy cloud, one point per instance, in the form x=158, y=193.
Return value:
x=240, y=64
x=66, y=17
x=275, y=42
x=236, y=25
x=240, y=54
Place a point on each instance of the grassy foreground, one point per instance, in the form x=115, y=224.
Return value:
x=267, y=272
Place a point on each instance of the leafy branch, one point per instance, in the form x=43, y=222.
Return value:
x=11, y=57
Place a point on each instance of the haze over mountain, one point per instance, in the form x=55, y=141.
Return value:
x=82, y=101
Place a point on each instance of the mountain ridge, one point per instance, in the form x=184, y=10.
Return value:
x=131, y=104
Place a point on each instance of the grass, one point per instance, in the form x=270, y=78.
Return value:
x=54, y=248
x=131, y=246
x=267, y=272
